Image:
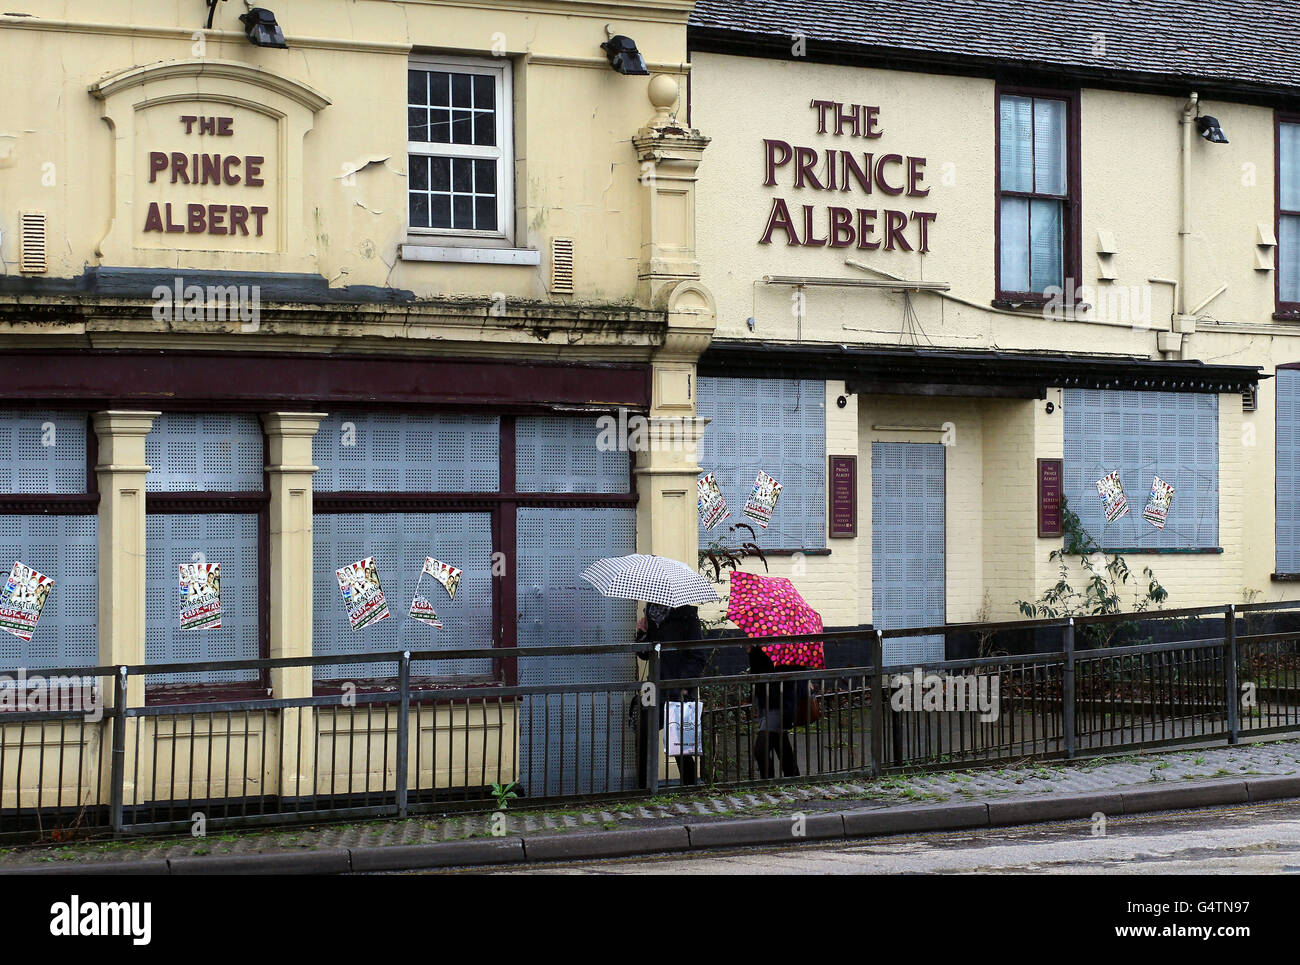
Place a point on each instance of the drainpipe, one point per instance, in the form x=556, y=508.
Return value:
x=1171, y=343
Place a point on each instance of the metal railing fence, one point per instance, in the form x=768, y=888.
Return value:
x=416, y=743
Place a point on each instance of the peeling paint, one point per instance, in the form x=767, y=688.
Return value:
x=352, y=168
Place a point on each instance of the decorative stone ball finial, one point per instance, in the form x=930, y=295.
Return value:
x=662, y=91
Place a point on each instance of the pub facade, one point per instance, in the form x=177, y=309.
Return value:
x=296, y=309
x=965, y=267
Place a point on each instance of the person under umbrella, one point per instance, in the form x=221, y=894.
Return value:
x=765, y=606
x=670, y=589
x=663, y=624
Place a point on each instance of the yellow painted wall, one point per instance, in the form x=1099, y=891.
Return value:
x=577, y=172
x=1131, y=188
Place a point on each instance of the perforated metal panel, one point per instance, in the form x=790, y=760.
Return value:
x=204, y=452
x=1144, y=434
x=560, y=454
x=407, y=452
x=907, y=546
x=42, y=451
x=400, y=542
x=778, y=426
x=1288, y=471
x=557, y=607
x=226, y=538
x=64, y=549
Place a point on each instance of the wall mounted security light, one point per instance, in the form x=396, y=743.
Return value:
x=623, y=55
x=263, y=31
x=1210, y=130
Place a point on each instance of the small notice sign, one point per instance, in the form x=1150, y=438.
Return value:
x=1050, y=473
x=844, y=496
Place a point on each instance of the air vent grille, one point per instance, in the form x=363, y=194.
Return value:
x=32, y=242
x=562, y=266
x=1250, y=398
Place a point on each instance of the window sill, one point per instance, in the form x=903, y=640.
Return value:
x=1161, y=550
x=821, y=551
x=471, y=256
x=1286, y=315
x=1284, y=577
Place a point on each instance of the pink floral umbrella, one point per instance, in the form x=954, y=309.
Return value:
x=770, y=606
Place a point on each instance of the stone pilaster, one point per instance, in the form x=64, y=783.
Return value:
x=121, y=472
x=290, y=470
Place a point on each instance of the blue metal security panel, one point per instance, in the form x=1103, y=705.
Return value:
x=1172, y=435
x=567, y=454
x=563, y=737
x=400, y=543
x=907, y=547
x=777, y=426
x=42, y=451
x=64, y=548
x=1288, y=471
x=409, y=452
x=226, y=538
x=204, y=452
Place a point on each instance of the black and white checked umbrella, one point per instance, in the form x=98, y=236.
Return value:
x=651, y=579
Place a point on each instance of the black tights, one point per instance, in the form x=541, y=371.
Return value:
x=769, y=744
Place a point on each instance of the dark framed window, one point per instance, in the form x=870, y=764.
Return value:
x=1287, y=500
x=206, y=501
x=1037, y=213
x=463, y=488
x=1288, y=215
x=48, y=521
x=459, y=147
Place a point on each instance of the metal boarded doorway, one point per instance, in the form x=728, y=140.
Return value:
x=907, y=546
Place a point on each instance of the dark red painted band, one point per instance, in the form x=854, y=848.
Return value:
x=168, y=378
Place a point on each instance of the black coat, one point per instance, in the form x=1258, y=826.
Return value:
x=682, y=623
x=785, y=695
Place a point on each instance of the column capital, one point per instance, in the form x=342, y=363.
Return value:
x=124, y=422
x=292, y=423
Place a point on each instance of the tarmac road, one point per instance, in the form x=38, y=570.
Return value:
x=1252, y=839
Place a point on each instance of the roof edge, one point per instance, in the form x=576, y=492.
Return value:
x=743, y=43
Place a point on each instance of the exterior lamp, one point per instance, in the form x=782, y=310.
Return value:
x=1210, y=130
x=263, y=31
x=623, y=55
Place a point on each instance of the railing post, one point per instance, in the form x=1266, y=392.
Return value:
x=1230, y=658
x=1067, y=690
x=650, y=725
x=403, y=729
x=877, y=703
x=118, y=766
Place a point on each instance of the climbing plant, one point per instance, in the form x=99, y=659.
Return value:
x=725, y=554
x=1108, y=585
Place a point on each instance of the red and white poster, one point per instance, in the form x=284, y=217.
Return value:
x=362, y=595
x=444, y=573
x=1113, y=500
x=762, y=501
x=422, y=610
x=23, y=599
x=1162, y=495
x=200, y=596
x=713, y=508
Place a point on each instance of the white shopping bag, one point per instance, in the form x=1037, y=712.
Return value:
x=683, y=730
